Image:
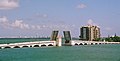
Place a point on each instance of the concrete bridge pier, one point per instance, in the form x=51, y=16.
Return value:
x=59, y=41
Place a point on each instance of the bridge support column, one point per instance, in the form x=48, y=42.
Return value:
x=59, y=41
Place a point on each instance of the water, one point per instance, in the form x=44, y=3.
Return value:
x=17, y=40
x=107, y=52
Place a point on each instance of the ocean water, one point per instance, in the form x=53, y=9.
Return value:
x=17, y=40
x=105, y=52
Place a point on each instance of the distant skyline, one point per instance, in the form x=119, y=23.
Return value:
x=41, y=17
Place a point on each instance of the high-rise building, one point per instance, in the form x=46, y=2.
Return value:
x=89, y=33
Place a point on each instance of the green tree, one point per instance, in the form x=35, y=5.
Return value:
x=116, y=39
x=97, y=39
x=108, y=39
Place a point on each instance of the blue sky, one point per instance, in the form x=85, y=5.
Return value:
x=41, y=17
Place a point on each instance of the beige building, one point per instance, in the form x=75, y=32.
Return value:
x=90, y=32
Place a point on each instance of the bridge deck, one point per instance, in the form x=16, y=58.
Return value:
x=29, y=44
x=51, y=43
x=79, y=42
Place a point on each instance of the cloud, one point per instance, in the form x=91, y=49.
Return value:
x=9, y=4
x=4, y=22
x=3, y=19
x=44, y=15
x=20, y=24
x=81, y=6
x=90, y=22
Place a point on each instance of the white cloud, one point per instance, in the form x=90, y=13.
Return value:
x=38, y=27
x=9, y=4
x=33, y=26
x=90, y=22
x=45, y=15
x=81, y=6
x=4, y=21
x=20, y=24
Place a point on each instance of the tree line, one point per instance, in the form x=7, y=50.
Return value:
x=113, y=39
